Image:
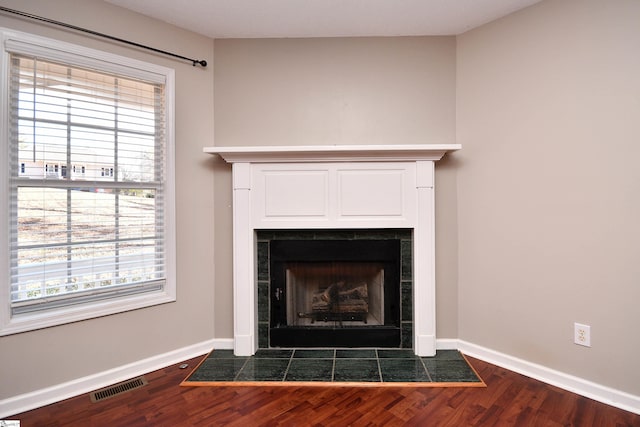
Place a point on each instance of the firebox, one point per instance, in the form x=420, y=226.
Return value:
x=335, y=293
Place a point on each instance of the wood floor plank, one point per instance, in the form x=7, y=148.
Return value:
x=509, y=399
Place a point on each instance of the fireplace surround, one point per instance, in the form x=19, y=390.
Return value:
x=334, y=288
x=333, y=188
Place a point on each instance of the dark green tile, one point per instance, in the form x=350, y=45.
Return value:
x=449, y=370
x=314, y=354
x=263, y=260
x=263, y=301
x=407, y=301
x=335, y=235
x=264, y=235
x=405, y=233
x=349, y=365
x=403, y=370
x=273, y=354
x=364, y=370
x=377, y=234
x=293, y=235
x=213, y=369
x=406, y=250
x=227, y=354
x=396, y=354
x=263, y=334
x=448, y=355
x=310, y=370
x=356, y=354
x=263, y=370
x=407, y=335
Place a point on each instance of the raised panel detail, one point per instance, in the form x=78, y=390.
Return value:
x=334, y=195
x=295, y=193
x=371, y=193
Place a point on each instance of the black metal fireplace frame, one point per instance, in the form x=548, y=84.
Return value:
x=384, y=251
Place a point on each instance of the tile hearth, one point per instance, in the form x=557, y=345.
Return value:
x=335, y=366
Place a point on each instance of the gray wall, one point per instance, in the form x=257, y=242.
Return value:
x=548, y=104
x=35, y=360
x=536, y=215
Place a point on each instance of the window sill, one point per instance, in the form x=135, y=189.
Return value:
x=60, y=316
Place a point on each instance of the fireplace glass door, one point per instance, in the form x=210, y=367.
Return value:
x=335, y=293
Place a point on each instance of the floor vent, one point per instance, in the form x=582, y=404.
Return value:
x=116, y=389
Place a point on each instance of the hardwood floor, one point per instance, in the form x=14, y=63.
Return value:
x=510, y=399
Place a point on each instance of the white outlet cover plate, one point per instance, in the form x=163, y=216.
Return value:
x=582, y=334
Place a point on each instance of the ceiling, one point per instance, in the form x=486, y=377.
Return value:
x=324, y=18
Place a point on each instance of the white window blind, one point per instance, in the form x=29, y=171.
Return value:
x=87, y=152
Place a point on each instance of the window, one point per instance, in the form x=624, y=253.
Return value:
x=100, y=242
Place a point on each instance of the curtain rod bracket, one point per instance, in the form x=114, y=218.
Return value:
x=194, y=62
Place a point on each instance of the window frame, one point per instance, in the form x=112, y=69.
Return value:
x=80, y=56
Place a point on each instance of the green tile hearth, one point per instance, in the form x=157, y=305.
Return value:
x=338, y=366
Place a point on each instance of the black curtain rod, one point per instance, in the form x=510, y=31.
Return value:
x=194, y=62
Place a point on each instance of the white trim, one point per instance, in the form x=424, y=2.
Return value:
x=249, y=197
x=257, y=205
x=332, y=153
x=581, y=386
x=46, y=396
x=446, y=344
x=5, y=222
x=76, y=55
x=424, y=272
x=244, y=292
x=80, y=56
x=69, y=314
x=36, y=399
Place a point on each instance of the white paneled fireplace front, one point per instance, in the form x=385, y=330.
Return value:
x=333, y=188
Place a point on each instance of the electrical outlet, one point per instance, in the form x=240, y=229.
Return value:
x=582, y=334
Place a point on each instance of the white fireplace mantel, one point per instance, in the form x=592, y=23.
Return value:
x=332, y=153
x=333, y=187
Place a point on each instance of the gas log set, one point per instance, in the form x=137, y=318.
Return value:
x=340, y=301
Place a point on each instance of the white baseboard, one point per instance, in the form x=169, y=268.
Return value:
x=36, y=399
x=224, y=344
x=610, y=396
x=447, y=344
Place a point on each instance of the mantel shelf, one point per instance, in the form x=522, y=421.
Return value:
x=332, y=153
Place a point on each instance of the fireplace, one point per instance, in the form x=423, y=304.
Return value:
x=335, y=293
x=332, y=187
